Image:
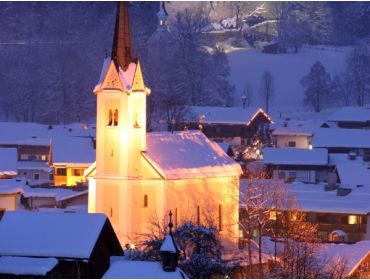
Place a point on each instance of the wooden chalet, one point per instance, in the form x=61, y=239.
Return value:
x=233, y=125
x=80, y=244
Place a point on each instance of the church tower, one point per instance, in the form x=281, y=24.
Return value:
x=121, y=106
x=121, y=128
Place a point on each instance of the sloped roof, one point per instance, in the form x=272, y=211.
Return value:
x=141, y=270
x=351, y=255
x=351, y=114
x=293, y=131
x=295, y=156
x=27, y=266
x=73, y=150
x=226, y=115
x=341, y=138
x=43, y=234
x=8, y=161
x=188, y=154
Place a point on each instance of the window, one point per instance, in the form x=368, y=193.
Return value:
x=273, y=215
x=198, y=215
x=24, y=157
x=282, y=175
x=61, y=171
x=136, y=123
x=51, y=177
x=353, y=220
x=292, y=174
x=43, y=157
x=145, y=201
x=291, y=144
x=115, y=117
x=36, y=176
x=110, y=118
x=77, y=172
x=220, y=217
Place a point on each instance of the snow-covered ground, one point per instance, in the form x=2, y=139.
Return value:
x=248, y=65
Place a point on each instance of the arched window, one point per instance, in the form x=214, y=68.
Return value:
x=337, y=236
x=115, y=117
x=110, y=117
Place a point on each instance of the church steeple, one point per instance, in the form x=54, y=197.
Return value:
x=122, y=49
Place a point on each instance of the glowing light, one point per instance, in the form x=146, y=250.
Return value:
x=241, y=233
x=132, y=246
x=273, y=215
x=352, y=219
x=310, y=147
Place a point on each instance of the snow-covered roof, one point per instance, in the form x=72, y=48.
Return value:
x=226, y=115
x=71, y=143
x=341, y=138
x=188, y=154
x=354, y=173
x=314, y=198
x=12, y=186
x=224, y=146
x=73, y=150
x=141, y=270
x=27, y=266
x=8, y=161
x=295, y=156
x=34, y=165
x=169, y=245
x=42, y=234
x=293, y=131
x=351, y=255
x=351, y=114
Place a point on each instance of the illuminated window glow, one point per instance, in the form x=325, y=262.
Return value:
x=273, y=215
x=353, y=219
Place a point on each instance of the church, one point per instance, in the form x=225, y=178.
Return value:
x=139, y=176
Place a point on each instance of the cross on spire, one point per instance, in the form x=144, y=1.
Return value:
x=122, y=48
x=170, y=224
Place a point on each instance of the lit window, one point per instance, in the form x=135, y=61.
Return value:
x=241, y=235
x=77, y=172
x=161, y=22
x=24, y=157
x=145, y=201
x=353, y=219
x=293, y=216
x=273, y=215
x=43, y=157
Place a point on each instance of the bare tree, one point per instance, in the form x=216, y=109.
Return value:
x=267, y=89
x=358, y=73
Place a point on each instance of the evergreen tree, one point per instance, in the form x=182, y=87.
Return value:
x=317, y=86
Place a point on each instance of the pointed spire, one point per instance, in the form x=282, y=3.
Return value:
x=122, y=49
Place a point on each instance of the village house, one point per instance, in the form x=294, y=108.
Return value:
x=232, y=125
x=350, y=117
x=292, y=137
x=140, y=175
x=340, y=140
x=50, y=155
x=61, y=245
x=302, y=165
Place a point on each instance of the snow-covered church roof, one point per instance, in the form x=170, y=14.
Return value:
x=188, y=154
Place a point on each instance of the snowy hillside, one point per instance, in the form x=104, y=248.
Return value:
x=248, y=65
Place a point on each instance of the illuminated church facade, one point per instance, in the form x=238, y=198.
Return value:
x=138, y=176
